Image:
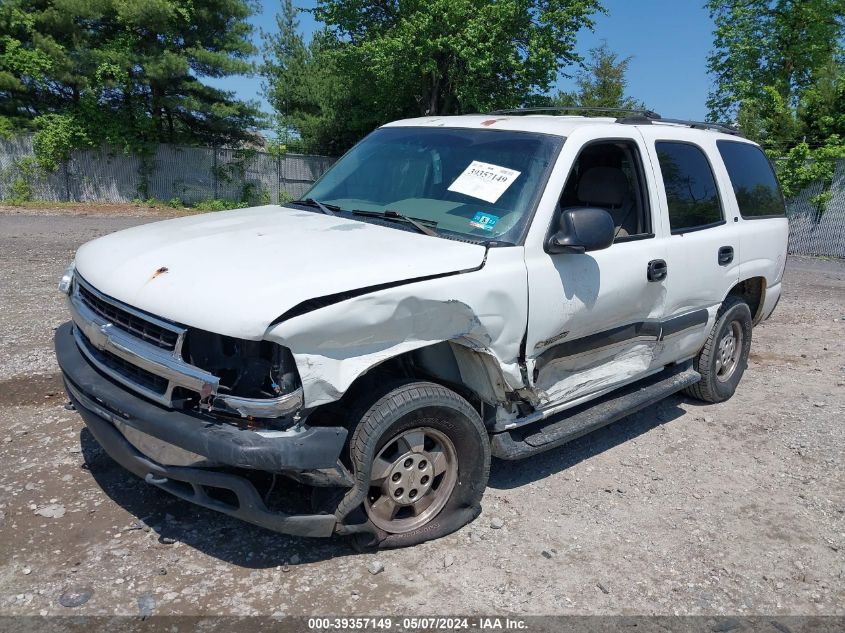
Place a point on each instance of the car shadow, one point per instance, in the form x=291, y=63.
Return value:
x=243, y=544
x=506, y=475
x=213, y=533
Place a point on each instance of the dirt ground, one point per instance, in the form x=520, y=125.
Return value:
x=95, y=209
x=736, y=508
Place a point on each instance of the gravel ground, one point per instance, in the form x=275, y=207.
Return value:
x=95, y=209
x=682, y=508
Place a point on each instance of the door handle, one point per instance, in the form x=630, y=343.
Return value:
x=657, y=270
x=726, y=255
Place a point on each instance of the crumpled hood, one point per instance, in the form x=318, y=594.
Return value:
x=234, y=272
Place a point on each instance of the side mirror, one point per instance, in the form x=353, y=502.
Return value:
x=581, y=230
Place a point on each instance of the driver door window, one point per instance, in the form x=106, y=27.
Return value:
x=609, y=175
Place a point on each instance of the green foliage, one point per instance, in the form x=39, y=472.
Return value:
x=823, y=104
x=803, y=166
x=124, y=72
x=23, y=172
x=769, y=44
x=777, y=68
x=57, y=136
x=601, y=84
x=219, y=205
x=175, y=203
x=276, y=148
x=7, y=128
x=235, y=170
x=374, y=63
x=779, y=74
x=249, y=192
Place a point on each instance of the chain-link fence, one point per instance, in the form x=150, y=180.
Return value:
x=191, y=174
x=819, y=229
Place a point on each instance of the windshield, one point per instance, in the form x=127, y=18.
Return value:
x=479, y=183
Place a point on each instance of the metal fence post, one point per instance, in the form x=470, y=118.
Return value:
x=214, y=171
x=278, y=179
x=67, y=181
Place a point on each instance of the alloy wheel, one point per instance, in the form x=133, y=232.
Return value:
x=411, y=479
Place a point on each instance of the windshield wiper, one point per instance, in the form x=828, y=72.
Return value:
x=390, y=214
x=328, y=209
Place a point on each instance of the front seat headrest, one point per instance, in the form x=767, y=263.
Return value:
x=603, y=186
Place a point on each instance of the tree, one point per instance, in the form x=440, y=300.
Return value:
x=778, y=73
x=377, y=61
x=602, y=83
x=126, y=72
x=317, y=107
x=285, y=60
x=823, y=104
x=778, y=44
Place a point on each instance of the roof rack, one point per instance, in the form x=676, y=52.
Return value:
x=634, y=117
x=638, y=112
x=700, y=125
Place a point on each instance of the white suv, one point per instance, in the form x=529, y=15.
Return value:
x=452, y=288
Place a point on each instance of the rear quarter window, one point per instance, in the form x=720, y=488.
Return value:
x=753, y=180
x=691, y=192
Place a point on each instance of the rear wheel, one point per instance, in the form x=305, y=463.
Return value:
x=423, y=455
x=723, y=358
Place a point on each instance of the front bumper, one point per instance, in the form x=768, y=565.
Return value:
x=106, y=407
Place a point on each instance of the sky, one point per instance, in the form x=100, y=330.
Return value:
x=668, y=40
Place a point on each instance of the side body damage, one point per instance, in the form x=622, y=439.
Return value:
x=482, y=312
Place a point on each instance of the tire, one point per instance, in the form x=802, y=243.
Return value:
x=431, y=455
x=719, y=378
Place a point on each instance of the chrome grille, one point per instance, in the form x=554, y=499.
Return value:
x=144, y=353
x=128, y=321
x=134, y=348
x=133, y=373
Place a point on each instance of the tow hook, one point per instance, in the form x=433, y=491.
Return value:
x=152, y=479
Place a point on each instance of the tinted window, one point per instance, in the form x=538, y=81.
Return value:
x=690, y=186
x=752, y=178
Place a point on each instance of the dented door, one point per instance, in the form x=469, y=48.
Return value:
x=595, y=318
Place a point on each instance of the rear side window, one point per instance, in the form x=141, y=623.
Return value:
x=752, y=178
x=691, y=191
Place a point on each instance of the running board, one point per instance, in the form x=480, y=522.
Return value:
x=573, y=423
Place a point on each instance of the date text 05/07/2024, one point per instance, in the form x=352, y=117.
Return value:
x=416, y=624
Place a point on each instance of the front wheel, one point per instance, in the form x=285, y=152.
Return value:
x=722, y=360
x=423, y=455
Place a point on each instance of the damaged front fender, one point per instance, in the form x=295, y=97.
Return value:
x=485, y=309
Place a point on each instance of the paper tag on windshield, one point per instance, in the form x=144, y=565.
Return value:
x=484, y=181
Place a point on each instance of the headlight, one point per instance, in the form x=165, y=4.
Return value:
x=247, y=369
x=67, y=279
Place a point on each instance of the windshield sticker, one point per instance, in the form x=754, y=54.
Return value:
x=484, y=221
x=484, y=181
